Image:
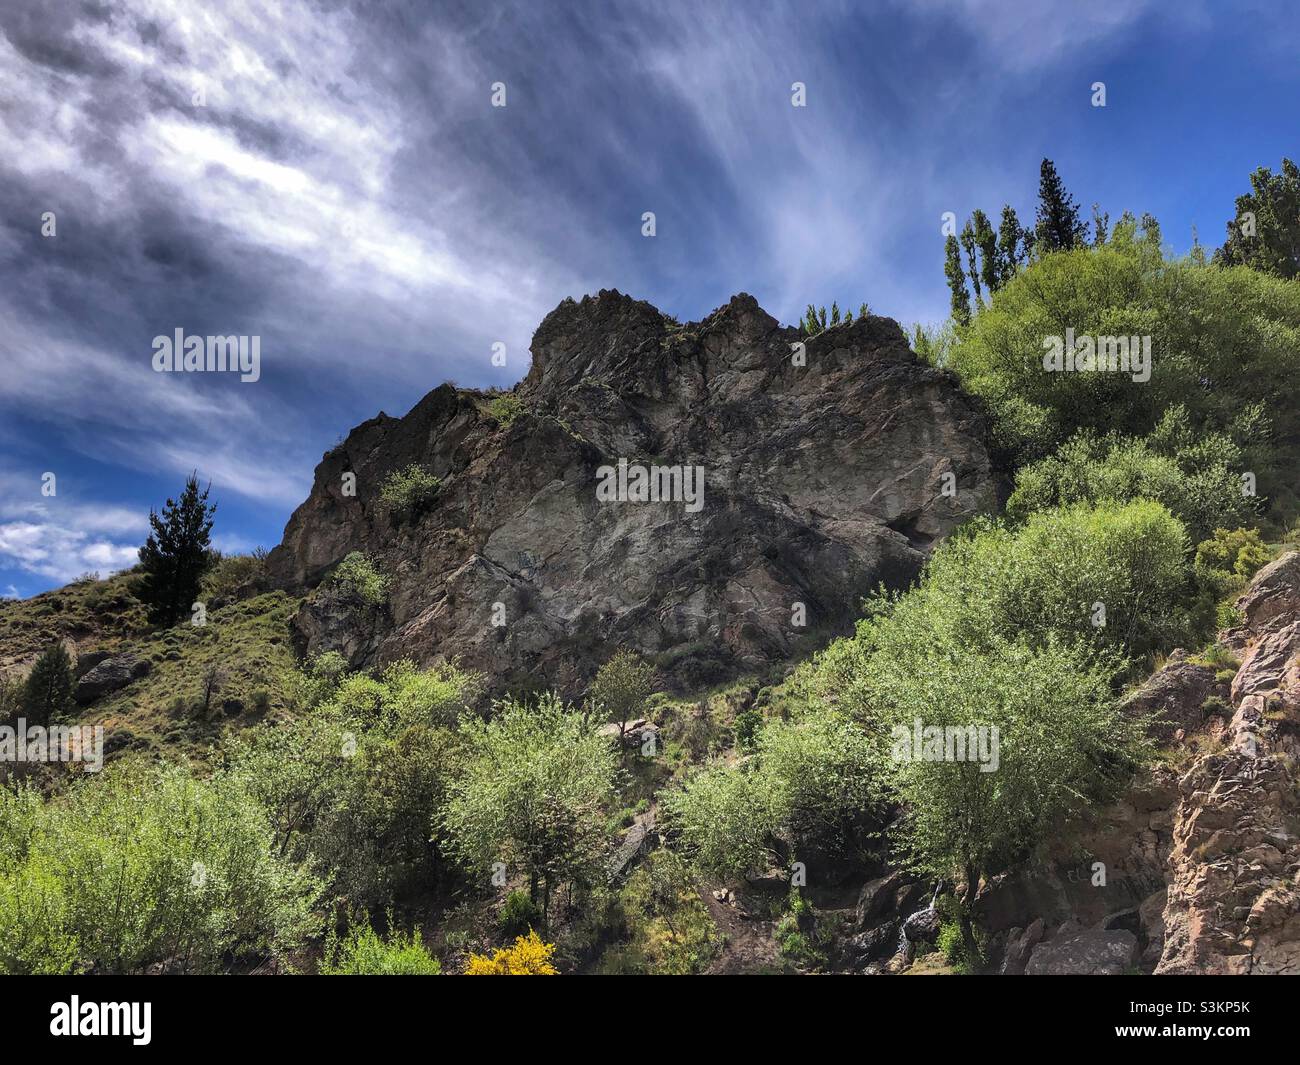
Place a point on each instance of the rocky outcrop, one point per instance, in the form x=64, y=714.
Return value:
x=1234, y=879
x=830, y=464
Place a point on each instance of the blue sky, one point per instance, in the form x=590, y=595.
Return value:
x=334, y=179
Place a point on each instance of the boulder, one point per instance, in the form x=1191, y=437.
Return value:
x=1095, y=952
x=109, y=675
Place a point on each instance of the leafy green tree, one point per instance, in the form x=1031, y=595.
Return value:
x=47, y=692
x=533, y=794
x=1100, y=225
x=956, y=280
x=622, y=688
x=1062, y=746
x=1058, y=227
x=1265, y=235
x=176, y=555
x=351, y=783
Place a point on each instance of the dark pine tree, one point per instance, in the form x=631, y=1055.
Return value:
x=1059, y=227
x=956, y=280
x=47, y=692
x=176, y=555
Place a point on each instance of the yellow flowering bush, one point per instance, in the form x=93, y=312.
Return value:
x=528, y=957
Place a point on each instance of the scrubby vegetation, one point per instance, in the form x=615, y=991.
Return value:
x=408, y=493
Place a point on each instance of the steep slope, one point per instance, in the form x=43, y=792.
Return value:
x=825, y=473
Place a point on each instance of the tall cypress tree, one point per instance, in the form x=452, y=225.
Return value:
x=968, y=243
x=956, y=280
x=1059, y=227
x=177, y=554
x=987, y=242
x=1012, y=246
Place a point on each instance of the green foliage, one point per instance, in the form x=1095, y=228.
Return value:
x=667, y=927
x=1225, y=342
x=350, y=785
x=952, y=270
x=1240, y=552
x=235, y=576
x=146, y=865
x=408, y=493
x=519, y=914
x=807, y=782
x=505, y=408
x=1265, y=235
x=364, y=953
x=622, y=687
x=1059, y=227
x=535, y=785
x=359, y=579
x=1000, y=635
x=47, y=693
x=1062, y=746
x=1047, y=577
x=1196, y=481
x=176, y=555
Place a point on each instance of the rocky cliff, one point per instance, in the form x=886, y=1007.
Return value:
x=826, y=470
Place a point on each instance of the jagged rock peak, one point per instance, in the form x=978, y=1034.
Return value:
x=822, y=476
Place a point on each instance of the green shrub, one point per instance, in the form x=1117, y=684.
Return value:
x=364, y=953
x=808, y=781
x=408, y=493
x=352, y=783
x=506, y=408
x=1240, y=552
x=519, y=915
x=359, y=579
x=145, y=865
x=235, y=576
x=537, y=783
x=1225, y=342
x=1195, y=480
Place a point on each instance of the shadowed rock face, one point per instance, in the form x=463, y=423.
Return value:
x=820, y=482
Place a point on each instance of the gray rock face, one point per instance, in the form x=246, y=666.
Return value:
x=109, y=675
x=1096, y=952
x=1173, y=697
x=820, y=481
